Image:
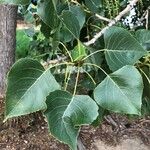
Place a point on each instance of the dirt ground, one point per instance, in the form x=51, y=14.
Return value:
x=30, y=133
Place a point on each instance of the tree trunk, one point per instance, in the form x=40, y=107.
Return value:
x=8, y=17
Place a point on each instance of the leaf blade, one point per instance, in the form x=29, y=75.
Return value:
x=24, y=92
x=71, y=23
x=121, y=91
x=48, y=13
x=121, y=48
x=65, y=115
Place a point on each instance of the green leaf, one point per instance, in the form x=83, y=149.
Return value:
x=71, y=22
x=21, y=2
x=93, y=5
x=45, y=29
x=65, y=115
x=121, y=48
x=65, y=35
x=143, y=36
x=79, y=52
x=79, y=13
x=27, y=87
x=121, y=91
x=47, y=11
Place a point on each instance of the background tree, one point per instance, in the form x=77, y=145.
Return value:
x=8, y=16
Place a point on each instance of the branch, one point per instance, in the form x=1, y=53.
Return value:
x=53, y=62
x=147, y=17
x=113, y=22
x=103, y=18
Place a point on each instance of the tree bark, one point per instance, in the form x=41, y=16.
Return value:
x=8, y=17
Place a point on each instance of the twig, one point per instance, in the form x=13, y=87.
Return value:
x=111, y=121
x=55, y=61
x=147, y=18
x=103, y=18
x=144, y=15
x=113, y=22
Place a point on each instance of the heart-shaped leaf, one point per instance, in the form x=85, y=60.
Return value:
x=27, y=87
x=65, y=115
x=79, y=52
x=121, y=48
x=121, y=91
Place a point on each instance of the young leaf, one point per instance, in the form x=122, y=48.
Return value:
x=65, y=115
x=121, y=91
x=78, y=52
x=27, y=87
x=121, y=48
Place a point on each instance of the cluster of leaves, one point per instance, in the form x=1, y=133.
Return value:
x=115, y=69
x=32, y=44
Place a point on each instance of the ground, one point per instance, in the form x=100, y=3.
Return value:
x=30, y=133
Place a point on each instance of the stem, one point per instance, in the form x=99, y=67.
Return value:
x=89, y=64
x=42, y=55
x=67, y=51
x=145, y=75
x=76, y=83
x=101, y=50
x=95, y=26
x=65, y=63
x=75, y=2
x=90, y=77
x=68, y=78
x=103, y=18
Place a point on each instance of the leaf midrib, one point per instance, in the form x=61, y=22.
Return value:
x=121, y=91
x=123, y=51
